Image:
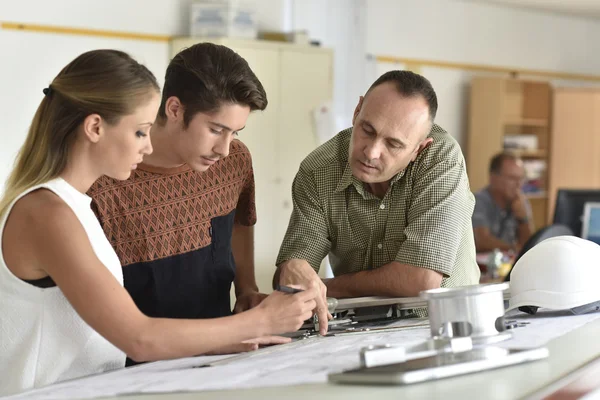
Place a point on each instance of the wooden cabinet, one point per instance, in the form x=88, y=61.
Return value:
x=566, y=122
x=297, y=79
x=500, y=107
x=575, y=145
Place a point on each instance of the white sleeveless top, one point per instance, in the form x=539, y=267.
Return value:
x=42, y=339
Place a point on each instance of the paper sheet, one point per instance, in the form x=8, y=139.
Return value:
x=543, y=327
x=300, y=362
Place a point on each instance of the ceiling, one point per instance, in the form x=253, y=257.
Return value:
x=583, y=8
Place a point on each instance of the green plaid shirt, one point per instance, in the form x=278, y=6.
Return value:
x=424, y=219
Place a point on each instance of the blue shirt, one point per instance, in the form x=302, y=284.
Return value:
x=501, y=222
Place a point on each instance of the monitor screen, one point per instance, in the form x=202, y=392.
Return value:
x=590, y=228
x=570, y=206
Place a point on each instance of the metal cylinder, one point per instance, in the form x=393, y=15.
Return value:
x=332, y=303
x=482, y=306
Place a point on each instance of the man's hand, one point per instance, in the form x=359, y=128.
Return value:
x=285, y=312
x=525, y=224
x=251, y=345
x=519, y=208
x=248, y=300
x=299, y=273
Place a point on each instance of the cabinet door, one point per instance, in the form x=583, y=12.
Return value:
x=306, y=82
x=486, y=128
x=260, y=135
x=575, y=142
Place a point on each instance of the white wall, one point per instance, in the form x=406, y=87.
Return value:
x=468, y=32
x=31, y=60
x=448, y=30
x=166, y=17
x=465, y=32
x=445, y=30
x=340, y=25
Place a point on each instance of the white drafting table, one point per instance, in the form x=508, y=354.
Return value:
x=567, y=353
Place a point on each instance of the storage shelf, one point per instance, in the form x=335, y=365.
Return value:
x=537, y=195
x=518, y=121
x=528, y=153
x=517, y=113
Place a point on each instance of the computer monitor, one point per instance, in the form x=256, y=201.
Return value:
x=590, y=228
x=570, y=204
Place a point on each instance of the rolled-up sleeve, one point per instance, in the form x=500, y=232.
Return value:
x=307, y=235
x=245, y=213
x=440, y=211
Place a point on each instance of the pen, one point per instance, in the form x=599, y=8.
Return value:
x=331, y=302
x=287, y=289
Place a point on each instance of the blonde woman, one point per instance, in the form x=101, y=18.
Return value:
x=63, y=311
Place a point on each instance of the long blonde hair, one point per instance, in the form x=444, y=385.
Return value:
x=105, y=82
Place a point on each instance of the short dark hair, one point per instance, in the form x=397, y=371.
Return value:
x=498, y=161
x=410, y=84
x=205, y=76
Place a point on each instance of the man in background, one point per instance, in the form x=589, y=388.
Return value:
x=502, y=217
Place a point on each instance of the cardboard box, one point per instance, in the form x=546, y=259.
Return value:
x=521, y=142
x=222, y=20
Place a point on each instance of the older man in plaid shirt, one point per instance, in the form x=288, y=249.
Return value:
x=388, y=200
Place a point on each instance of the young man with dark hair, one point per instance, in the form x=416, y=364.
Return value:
x=387, y=199
x=182, y=225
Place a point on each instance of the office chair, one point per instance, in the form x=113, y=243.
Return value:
x=542, y=234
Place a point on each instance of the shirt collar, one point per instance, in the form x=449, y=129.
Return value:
x=398, y=176
x=349, y=179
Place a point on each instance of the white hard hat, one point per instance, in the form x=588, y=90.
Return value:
x=560, y=273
